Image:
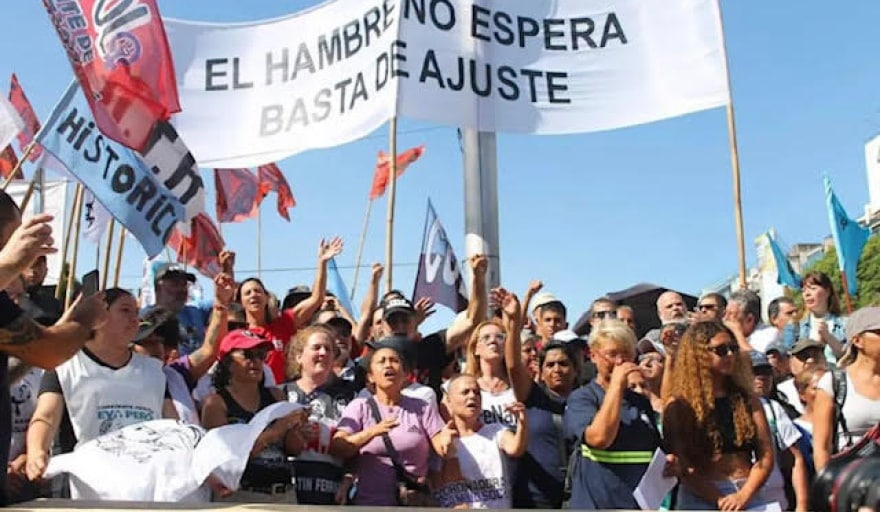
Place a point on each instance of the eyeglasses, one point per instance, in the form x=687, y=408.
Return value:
x=614, y=357
x=602, y=315
x=254, y=354
x=489, y=338
x=707, y=307
x=724, y=350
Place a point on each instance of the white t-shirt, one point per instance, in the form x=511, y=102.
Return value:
x=101, y=399
x=861, y=413
x=484, y=469
x=24, y=403
x=785, y=435
x=763, y=338
x=495, y=408
x=787, y=388
x=181, y=396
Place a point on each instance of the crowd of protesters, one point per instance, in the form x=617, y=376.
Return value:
x=505, y=408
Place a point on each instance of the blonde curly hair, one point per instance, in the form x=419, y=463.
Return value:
x=472, y=360
x=692, y=383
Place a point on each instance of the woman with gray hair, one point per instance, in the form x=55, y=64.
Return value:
x=856, y=387
x=614, y=426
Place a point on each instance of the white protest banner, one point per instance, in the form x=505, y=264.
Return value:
x=258, y=92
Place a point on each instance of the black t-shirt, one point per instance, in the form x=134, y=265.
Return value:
x=9, y=312
x=431, y=359
x=540, y=476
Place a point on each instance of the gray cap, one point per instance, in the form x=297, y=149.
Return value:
x=863, y=320
x=758, y=359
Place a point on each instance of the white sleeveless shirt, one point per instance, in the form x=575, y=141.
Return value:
x=101, y=399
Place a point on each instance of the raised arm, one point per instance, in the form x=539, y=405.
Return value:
x=534, y=287
x=478, y=304
x=304, y=311
x=47, y=347
x=202, y=359
x=512, y=320
x=362, y=329
x=32, y=239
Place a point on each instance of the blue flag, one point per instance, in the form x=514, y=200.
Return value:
x=849, y=237
x=786, y=275
x=336, y=286
x=115, y=174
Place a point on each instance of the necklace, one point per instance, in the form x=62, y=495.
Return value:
x=494, y=386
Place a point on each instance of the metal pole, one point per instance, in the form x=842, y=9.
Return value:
x=392, y=191
x=481, y=199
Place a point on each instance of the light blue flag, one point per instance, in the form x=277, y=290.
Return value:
x=336, y=286
x=786, y=275
x=115, y=174
x=849, y=237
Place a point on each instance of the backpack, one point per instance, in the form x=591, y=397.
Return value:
x=838, y=386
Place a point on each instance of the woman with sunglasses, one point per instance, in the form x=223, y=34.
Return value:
x=715, y=424
x=103, y=387
x=540, y=474
x=279, y=328
x=615, y=428
x=859, y=383
x=494, y=357
x=822, y=320
x=240, y=395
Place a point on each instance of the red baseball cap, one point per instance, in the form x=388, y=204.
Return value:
x=241, y=339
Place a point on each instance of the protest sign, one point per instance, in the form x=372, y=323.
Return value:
x=255, y=93
x=117, y=177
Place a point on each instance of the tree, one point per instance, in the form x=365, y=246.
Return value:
x=868, y=274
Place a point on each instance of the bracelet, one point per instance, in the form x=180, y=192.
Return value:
x=220, y=308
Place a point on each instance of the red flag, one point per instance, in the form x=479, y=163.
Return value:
x=26, y=112
x=202, y=248
x=271, y=179
x=8, y=161
x=383, y=168
x=120, y=56
x=238, y=194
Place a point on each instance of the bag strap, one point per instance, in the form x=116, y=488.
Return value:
x=838, y=383
x=399, y=470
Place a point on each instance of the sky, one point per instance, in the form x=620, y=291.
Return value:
x=587, y=214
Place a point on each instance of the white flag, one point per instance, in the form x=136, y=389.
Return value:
x=10, y=122
x=95, y=219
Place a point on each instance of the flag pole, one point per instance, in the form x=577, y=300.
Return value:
x=66, y=242
x=734, y=160
x=105, y=270
x=360, y=251
x=118, y=270
x=29, y=193
x=846, y=296
x=392, y=192
x=259, y=240
x=24, y=156
x=77, y=225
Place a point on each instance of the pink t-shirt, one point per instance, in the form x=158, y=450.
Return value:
x=411, y=438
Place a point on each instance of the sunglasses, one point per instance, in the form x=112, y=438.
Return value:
x=602, y=315
x=724, y=350
x=707, y=307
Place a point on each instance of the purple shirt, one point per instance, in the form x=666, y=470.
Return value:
x=411, y=438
